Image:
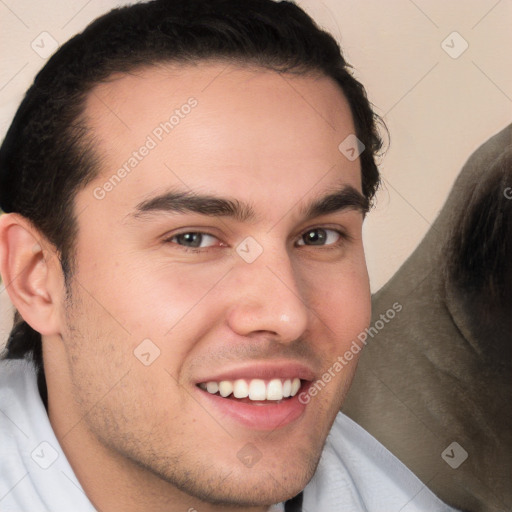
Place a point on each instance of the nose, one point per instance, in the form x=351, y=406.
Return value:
x=268, y=299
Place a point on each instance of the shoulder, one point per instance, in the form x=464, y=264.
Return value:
x=18, y=393
x=17, y=376
x=17, y=385
x=34, y=472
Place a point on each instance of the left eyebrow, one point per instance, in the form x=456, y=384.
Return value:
x=348, y=198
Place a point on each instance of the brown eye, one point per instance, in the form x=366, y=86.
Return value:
x=319, y=236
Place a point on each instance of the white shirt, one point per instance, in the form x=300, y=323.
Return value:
x=356, y=473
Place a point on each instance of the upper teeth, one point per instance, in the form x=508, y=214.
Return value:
x=256, y=389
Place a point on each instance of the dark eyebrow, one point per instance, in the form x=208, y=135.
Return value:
x=185, y=202
x=348, y=198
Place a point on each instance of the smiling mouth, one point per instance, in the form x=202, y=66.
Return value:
x=254, y=391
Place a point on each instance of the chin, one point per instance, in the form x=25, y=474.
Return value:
x=272, y=479
x=264, y=487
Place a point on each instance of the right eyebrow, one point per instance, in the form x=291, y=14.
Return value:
x=185, y=202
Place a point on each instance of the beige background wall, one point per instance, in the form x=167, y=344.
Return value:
x=438, y=101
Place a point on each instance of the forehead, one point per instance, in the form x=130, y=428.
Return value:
x=219, y=128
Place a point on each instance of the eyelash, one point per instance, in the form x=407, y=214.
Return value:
x=343, y=237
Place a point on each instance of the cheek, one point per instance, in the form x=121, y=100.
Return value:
x=343, y=301
x=150, y=297
x=343, y=309
x=119, y=373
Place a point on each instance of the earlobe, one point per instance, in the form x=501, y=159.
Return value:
x=28, y=267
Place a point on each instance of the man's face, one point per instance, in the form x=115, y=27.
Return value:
x=259, y=280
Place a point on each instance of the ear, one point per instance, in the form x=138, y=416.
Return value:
x=31, y=273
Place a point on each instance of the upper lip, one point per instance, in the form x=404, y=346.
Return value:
x=263, y=370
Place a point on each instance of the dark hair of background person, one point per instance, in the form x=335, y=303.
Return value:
x=477, y=270
x=48, y=153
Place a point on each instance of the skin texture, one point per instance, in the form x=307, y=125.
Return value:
x=269, y=141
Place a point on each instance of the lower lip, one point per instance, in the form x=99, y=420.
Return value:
x=259, y=417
